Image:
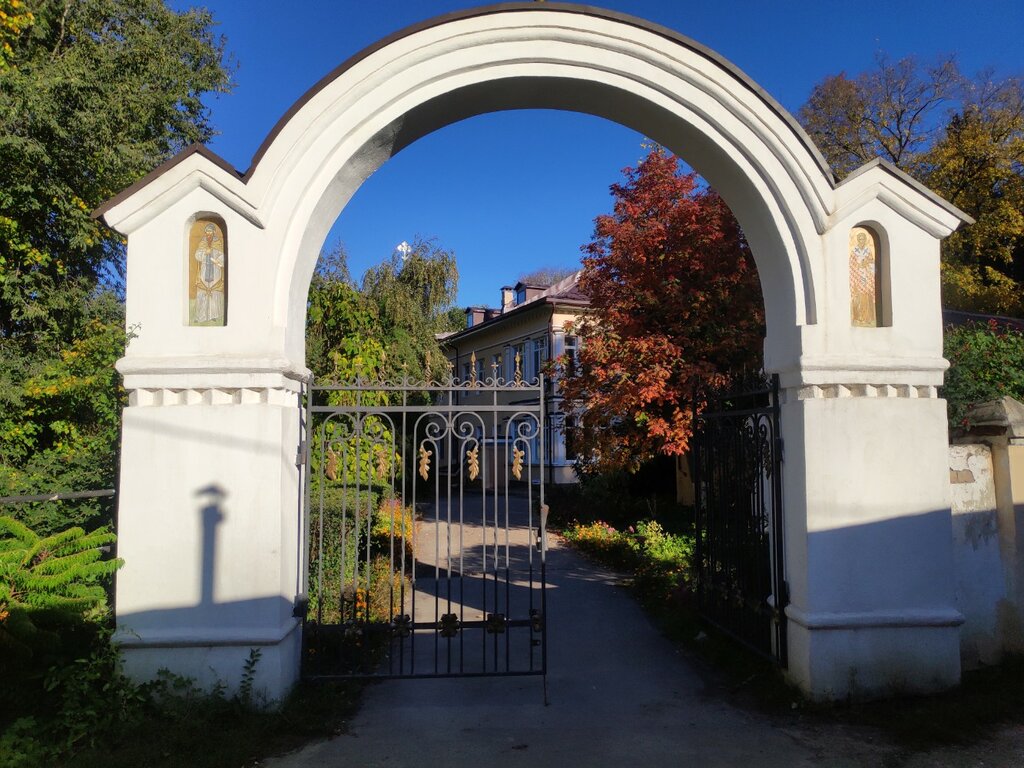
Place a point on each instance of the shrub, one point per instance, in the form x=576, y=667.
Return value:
x=50, y=588
x=986, y=363
x=660, y=562
x=343, y=595
x=602, y=541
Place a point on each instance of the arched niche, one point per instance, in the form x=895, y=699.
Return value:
x=206, y=271
x=870, y=278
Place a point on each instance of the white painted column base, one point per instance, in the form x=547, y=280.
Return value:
x=210, y=529
x=869, y=555
x=862, y=656
x=220, y=666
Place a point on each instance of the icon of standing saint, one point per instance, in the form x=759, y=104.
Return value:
x=863, y=278
x=206, y=272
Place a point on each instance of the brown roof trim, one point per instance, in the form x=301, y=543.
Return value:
x=910, y=181
x=585, y=10
x=546, y=301
x=487, y=10
x=160, y=170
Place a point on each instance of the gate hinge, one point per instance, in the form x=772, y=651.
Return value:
x=779, y=446
x=300, y=454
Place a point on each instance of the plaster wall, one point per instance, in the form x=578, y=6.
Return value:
x=980, y=583
x=208, y=527
x=1008, y=474
x=868, y=545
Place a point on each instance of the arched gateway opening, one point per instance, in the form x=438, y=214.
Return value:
x=210, y=514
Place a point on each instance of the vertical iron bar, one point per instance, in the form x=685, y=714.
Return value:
x=779, y=590
x=543, y=532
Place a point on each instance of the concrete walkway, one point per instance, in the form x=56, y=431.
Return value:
x=619, y=693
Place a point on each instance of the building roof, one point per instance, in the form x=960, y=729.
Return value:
x=565, y=292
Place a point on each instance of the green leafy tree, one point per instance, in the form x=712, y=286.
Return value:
x=962, y=137
x=15, y=18
x=65, y=426
x=93, y=95
x=343, y=339
x=986, y=362
x=412, y=294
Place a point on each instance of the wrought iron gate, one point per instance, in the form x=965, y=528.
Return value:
x=737, y=473
x=425, y=529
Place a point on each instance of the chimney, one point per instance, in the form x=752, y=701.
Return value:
x=507, y=297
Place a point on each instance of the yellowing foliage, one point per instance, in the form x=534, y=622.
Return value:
x=14, y=19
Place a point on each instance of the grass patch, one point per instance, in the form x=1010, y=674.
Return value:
x=87, y=713
x=202, y=731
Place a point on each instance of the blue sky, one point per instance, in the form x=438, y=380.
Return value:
x=513, y=191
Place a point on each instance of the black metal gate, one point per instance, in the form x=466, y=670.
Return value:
x=737, y=473
x=425, y=529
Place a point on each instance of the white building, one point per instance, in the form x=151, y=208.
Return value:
x=531, y=327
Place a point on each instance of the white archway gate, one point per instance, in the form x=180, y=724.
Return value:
x=210, y=523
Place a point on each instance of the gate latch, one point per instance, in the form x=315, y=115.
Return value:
x=300, y=454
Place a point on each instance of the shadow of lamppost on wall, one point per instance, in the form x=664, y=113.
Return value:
x=211, y=513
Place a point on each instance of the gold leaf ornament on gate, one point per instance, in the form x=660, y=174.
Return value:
x=425, y=462
x=517, y=462
x=473, y=461
x=382, y=463
x=331, y=470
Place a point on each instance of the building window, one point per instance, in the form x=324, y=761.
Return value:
x=538, y=356
x=480, y=370
x=572, y=350
x=521, y=296
x=515, y=357
x=568, y=431
x=465, y=372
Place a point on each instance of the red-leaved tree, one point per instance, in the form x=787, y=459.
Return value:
x=676, y=300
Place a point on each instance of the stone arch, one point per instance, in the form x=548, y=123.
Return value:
x=647, y=78
x=882, y=502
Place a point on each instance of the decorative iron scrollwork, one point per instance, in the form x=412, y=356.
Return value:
x=383, y=462
x=495, y=624
x=536, y=621
x=401, y=626
x=449, y=625
x=425, y=462
x=517, y=462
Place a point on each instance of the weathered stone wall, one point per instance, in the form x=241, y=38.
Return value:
x=987, y=561
x=979, y=585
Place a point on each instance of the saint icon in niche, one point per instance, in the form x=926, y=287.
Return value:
x=863, y=278
x=206, y=273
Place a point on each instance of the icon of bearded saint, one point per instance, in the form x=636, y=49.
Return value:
x=863, y=296
x=208, y=305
